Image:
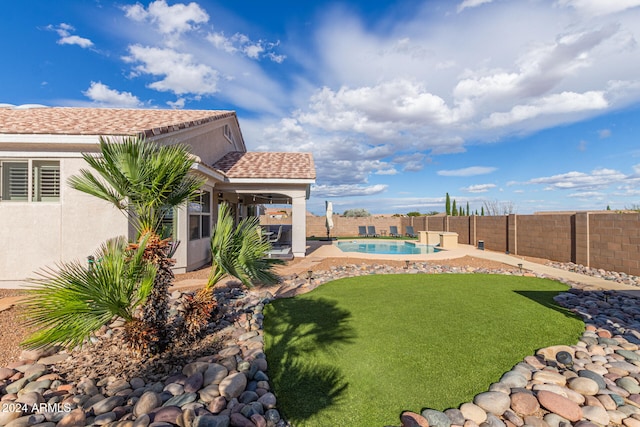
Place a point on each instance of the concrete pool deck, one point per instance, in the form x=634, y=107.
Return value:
x=319, y=250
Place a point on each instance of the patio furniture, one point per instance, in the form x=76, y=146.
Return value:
x=410, y=232
x=362, y=231
x=371, y=231
x=393, y=231
x=275, y=239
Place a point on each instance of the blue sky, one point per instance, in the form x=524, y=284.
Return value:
x=531, y=104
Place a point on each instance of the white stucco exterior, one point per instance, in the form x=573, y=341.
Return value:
x=42, y=234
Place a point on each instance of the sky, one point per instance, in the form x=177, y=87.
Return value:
x=527, y=105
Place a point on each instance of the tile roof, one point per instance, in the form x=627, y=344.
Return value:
x=267, y=165
x=102, y=121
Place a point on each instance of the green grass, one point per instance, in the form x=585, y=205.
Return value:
x=358, y=351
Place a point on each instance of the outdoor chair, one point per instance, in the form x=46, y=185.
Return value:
x=371, y=231
x=362, y=231
x=393, y=231
x=410, y=232
x=274, y=240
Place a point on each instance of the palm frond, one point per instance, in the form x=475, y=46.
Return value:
x=240, y=252
x=141, y=176
x=71, y=302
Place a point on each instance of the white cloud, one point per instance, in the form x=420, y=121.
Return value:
x=471, y=3
x=180, y=72
x=478, y=188
x=346, y=190
x=64, y=31
x=241, y=43
x=177, y=104
x=563, y=103
x=470, y=171
x=587, y=195
x=600, y=7
x=597, y=179
x=412, y=162
x=107, y=97
x=169, y=20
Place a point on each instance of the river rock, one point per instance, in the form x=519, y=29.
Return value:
x=560, y=405
x=596, y=414
x=233, y=385
x=473, y=412
x=214, y=374
x=148, y=402
x=436, y=418
x=75, y=418
x=411, y=419
x=168, y=414
x=583, y=385
x=494, y=402
x=193, y=383
x=211, y=421
x=524, y=403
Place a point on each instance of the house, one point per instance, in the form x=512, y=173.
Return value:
x=43, y=221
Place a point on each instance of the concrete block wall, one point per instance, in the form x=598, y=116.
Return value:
x=606, y=240
x=493, y=231
x=463, y=226
x=546, y=236
x=614, y=242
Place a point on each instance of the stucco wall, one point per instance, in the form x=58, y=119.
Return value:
x=209, y=142
x=39, y=234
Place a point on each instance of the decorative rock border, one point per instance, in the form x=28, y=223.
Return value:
x=228, y=388
x=231, y=387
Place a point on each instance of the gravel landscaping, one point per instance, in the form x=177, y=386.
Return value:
x=226, y=381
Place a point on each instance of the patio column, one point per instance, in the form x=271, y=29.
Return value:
x=298, y=226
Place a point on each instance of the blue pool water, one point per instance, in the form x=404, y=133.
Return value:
x=387, y=248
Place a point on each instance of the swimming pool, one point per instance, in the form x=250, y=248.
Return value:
x=387, y=248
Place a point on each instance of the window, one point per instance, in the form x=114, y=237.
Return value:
x=46, y=181
x=41, y=185
x=200, y=216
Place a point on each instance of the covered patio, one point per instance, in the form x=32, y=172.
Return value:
x=251, y=179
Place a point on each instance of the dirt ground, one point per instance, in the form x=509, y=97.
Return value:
x=13, y=330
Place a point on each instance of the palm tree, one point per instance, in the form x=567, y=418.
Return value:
x=145, y=181
x=70, y=304
x=238, y=252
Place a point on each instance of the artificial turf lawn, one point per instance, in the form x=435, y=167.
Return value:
x=358, y=351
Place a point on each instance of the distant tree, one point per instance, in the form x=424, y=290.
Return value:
x=447, y=205
x=634, y=207
x=468, y=211
x=482, y=211
x=454, y=209
x=356, y=213
x=431, y=213
x=495, y=207
x=608, y=207
x=476, y=214
x=414, y=214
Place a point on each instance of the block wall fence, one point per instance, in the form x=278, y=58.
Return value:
x=606, y=240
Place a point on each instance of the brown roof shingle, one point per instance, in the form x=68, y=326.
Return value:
x=267, y=165
x=102, y=121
